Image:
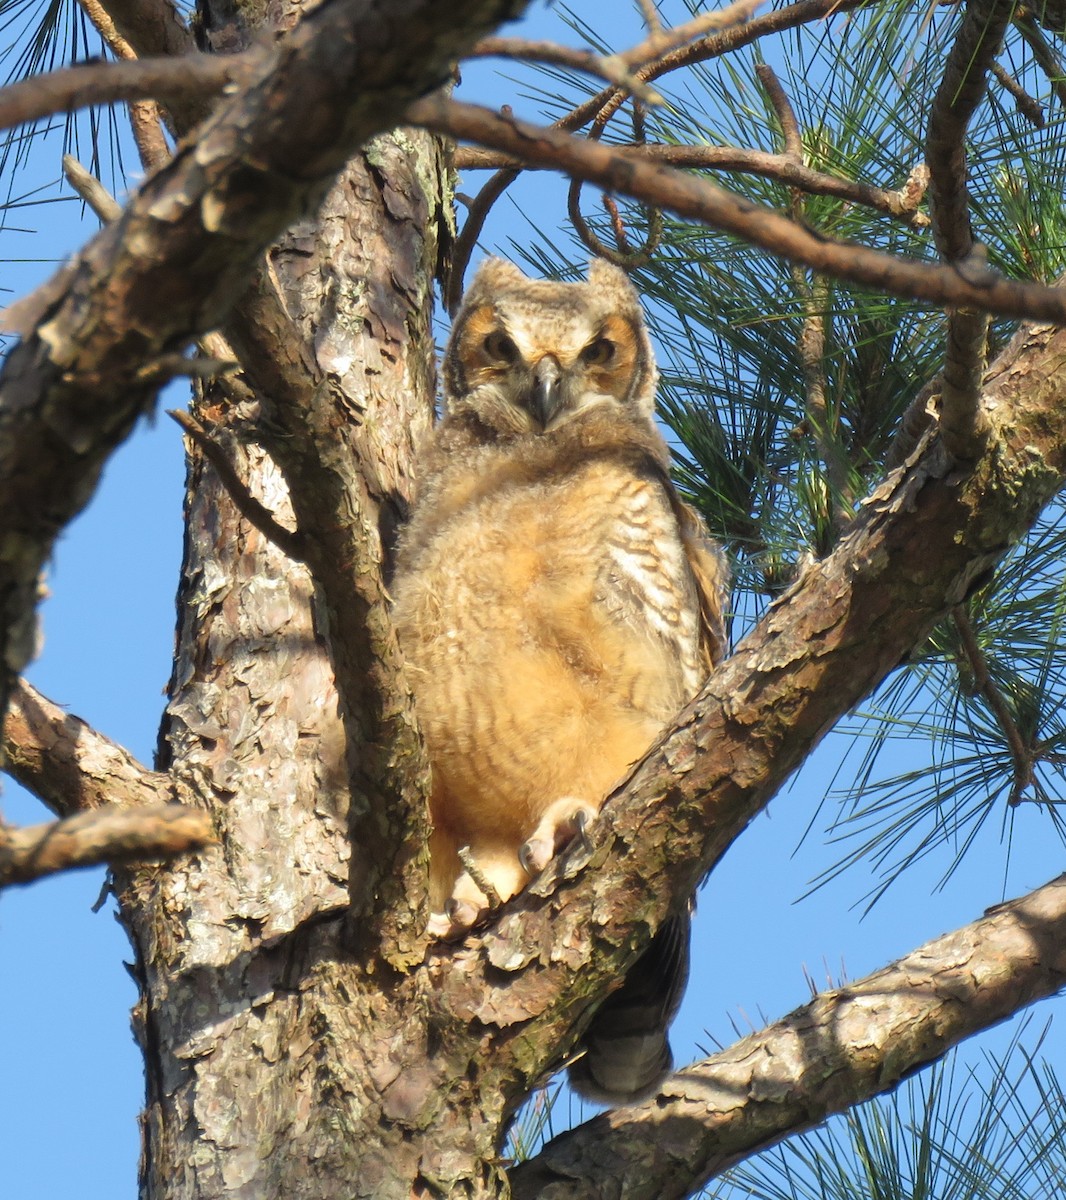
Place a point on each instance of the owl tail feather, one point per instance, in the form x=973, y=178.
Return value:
x=627, y=1052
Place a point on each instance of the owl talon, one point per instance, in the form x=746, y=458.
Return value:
x=535, y=855
x=457, y=918
x=564, y=820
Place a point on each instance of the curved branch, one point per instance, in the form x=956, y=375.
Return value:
x=844, y=1047
x=780, y=167
x=697, y=198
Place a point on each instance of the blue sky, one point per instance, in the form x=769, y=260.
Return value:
x=73, y=1080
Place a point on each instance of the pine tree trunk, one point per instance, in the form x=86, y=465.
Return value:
x=254, y=1015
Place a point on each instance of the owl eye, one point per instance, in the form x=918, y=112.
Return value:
x=499, y=346
x=597, y=353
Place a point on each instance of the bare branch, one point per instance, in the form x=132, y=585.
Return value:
x=91, y=190
x=712, y=46
x=902, y=203
x=195, y=78
x=661, y=41
x=963, y=427
x=690, y=196
x=145, y=116
x=650, y=13
x=786, y=114
x=1027, y=105
x=844, y=1047
x=1022, y=756
x=611, y=67
x=103, y=836
x=1044, y=53
x=68, y=765
x=258, y=515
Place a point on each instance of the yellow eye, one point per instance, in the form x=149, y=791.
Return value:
x=499, y=346
x=598, y=353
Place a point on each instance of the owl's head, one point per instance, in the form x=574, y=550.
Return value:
x=529, y=355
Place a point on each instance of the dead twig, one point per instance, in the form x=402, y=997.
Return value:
x=611, y=67
x=1027, y=105
x=289, y=542
x=91, y=190
x=1046, y=57
x=146, y=118
x=901, y=203
x=470, y=865
x=1022, y=756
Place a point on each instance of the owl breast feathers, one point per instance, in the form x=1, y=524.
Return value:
x=557, y=602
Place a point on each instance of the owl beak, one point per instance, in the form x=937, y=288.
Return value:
x=546, y=396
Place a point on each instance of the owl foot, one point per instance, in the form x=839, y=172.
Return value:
x=473, y=897
x=457, y=918
x=562, y=822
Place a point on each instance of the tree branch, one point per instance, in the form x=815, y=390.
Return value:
x=963, y=427
x=173, y=264
x=68, y=765
x=195, y=78
x=1045, y=55
x=842, y=1048
x=288, y=541
x=145, y=116
x=1022, y=756
x=103, y=836
x=697, y=198
x=780, y=167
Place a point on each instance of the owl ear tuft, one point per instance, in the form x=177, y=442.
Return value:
x=494, y=274
x=604, y=274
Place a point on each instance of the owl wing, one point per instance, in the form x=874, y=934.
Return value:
x=710, y=573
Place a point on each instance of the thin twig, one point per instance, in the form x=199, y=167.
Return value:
x=1021, y=755
x=611, y=67
x=258, y=515
x=1027, y=105
x=91, y=190
x=1044, y=53
x=106, y=835
x=470, y=865
x=696, y=197
x=661, y=41
x=650, y=13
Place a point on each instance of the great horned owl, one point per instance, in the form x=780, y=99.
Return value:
x=557, y=604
